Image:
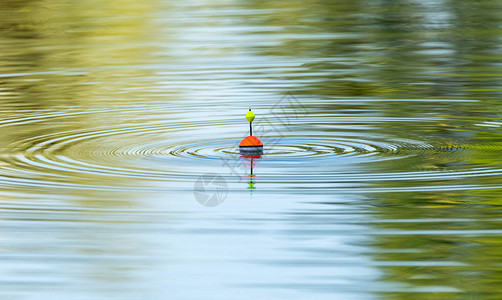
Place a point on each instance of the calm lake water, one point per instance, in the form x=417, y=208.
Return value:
x=382, y=172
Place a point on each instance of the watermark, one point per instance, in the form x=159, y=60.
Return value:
x=210, y=190
x=288, y=109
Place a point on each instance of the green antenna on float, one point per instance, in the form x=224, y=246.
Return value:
x=251, y=145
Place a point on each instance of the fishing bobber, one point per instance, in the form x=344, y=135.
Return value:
x=251, y=145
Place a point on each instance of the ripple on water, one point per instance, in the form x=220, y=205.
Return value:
x=164, y=151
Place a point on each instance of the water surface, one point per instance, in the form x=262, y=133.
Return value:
x=381, y=177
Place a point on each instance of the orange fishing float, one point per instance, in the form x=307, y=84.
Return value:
x=250, y=145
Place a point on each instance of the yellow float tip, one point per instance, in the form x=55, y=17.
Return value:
x=250, y=115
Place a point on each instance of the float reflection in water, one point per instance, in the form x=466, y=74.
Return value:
x=250, y=159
